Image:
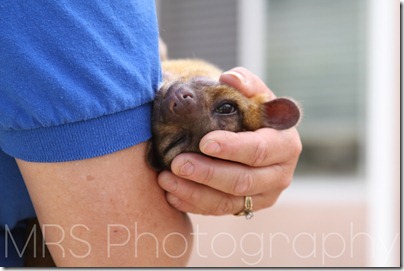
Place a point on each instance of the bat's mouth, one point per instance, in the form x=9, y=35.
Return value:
x=179, y=140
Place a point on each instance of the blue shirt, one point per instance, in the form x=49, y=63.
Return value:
x=76, y=81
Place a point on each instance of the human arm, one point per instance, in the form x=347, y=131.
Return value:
x=77, y=80
x=95, y=211
x=258, y=164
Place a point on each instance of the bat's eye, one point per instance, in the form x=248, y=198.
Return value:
x=226, y=109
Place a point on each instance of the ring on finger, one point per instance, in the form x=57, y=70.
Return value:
x=247, y=211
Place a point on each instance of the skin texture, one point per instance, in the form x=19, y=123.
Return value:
x=110, y=199
x=259, y=164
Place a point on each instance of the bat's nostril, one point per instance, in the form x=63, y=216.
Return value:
x=187, y=96
x=185, y=93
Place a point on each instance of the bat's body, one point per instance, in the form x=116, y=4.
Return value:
x=191, y=103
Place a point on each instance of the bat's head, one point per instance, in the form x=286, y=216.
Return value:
x=186, y=109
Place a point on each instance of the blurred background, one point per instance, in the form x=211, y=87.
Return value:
x=340, y=60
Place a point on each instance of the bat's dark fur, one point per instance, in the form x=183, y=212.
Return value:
x=191, y=102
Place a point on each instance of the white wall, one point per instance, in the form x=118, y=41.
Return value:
x=383, y=124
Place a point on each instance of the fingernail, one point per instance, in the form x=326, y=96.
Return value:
x=173, y=200
x=170, y=185
x=187, y=169
x=211, y=147
x=240, y=77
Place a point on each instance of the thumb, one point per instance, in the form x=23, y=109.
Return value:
x=246, y=82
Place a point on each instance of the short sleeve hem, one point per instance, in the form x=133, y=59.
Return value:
x=80, y=140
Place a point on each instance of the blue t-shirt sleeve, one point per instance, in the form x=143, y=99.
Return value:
x=77, y=77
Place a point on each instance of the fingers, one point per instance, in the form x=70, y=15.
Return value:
x=246, y=82
x=194, y=198
x=260, y=148
x=258, y=164
x=230, y=178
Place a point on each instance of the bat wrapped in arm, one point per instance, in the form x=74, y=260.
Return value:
x=192, y=102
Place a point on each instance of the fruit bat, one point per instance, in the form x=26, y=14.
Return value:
x=191, y=102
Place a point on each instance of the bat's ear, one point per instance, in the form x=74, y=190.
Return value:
x=152, y=159
x=281, y=113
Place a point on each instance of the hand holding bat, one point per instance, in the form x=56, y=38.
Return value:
x=258, y=163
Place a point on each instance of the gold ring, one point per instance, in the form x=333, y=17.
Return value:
x=247, y=212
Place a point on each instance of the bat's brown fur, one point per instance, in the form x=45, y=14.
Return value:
x=188, y=106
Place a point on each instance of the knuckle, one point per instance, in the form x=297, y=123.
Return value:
x=260, y=153
x=224, y=206
x=295, y=143
x=209, y=173
x=285, y=179
x=298, y=147
x=285, y=183
x=244, y=183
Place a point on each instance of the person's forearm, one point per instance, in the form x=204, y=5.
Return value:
x=107, y=211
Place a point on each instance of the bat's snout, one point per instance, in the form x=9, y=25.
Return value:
x=180, y=99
